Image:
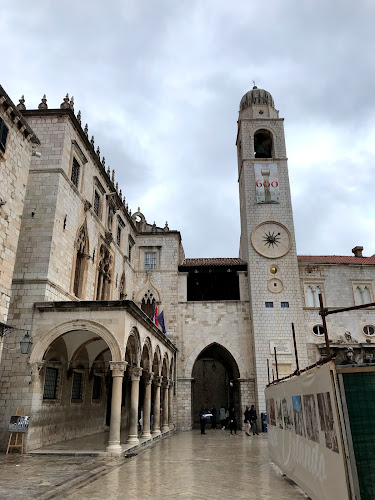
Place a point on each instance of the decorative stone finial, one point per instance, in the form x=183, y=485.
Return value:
x=71, y=104
x=65, y=104
x=139, y=209
x=43, y=104
x=130, y=212
x=154, y=227
x=166, y=227
x=79, y=117
x=124, y=201
x=113, y=175
x=86, y=130
x=120, y=194
x=109, y=171
x=21, y=106
x=103, y=161
x=127, y=207
x=98, y=151
x=92, y=142
x=117, y=186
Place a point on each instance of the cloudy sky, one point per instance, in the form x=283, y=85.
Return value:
x=159, y=83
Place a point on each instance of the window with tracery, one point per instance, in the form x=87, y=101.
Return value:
x=148, y=304
x=362, y=294
x=312, y=295
x=75, y=172
x=81, y=254
x=105, y=262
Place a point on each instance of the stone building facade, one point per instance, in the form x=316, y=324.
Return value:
x=91, y=279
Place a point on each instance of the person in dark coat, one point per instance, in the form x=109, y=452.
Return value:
x=253, y=420
x=202, y=419
x=247, y=421
x=232, y=422
x=213, y=418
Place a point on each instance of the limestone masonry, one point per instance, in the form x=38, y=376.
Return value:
x=92, y=283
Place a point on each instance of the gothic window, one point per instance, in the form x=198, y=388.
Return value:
x=122, y=287
x=263, y=144
x=362, y=294
x=150, y=260
x=130, y=247
x=50, y=383
x=80, y=267
x=96, y=203
x=366, y=295
x=3, y=135
x=312, y=295
x=118, y=236
x=148, y=304
x=104, y=274
x=75, y=172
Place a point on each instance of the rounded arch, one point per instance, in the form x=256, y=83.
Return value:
x=165, y=366
x=156, y=362
x=264, y=141
x=133, y=347
x=237, y=358
x=83, y=325
x=171, y=370
x=146, y=358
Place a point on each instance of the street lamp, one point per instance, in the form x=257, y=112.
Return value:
x=26, y=343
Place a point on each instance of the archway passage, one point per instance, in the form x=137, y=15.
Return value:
x=215, y=381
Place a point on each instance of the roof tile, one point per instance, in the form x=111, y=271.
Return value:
x=213, y=262
x=336, y=259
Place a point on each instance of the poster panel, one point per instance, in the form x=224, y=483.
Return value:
x=304, y=434
x=266, y=183
x=19, y=423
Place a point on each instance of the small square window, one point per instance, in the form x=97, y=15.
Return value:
x=77, y=386
x=3, y=135
x=75, y=173
x=284, y=304
x=150, y=260
x=96, y=203
x=118, y=238
x=50, y=383
x=269, y=304
x=96, y=387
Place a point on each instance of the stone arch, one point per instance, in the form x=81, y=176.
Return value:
x=201, y=347
x=146, y=357
x=156, y=361
x=80, y=260
x=264, y=141
x=82, y=325
x=133, y=347
x=171, y=370
x=165, y=365
x=148, y=287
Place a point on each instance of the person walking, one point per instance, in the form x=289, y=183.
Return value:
x=247, y=421
x=202, y=419
x=253, y=420
x=227, y=417
x=232, y=422
x=222, y=417
x=213, y=418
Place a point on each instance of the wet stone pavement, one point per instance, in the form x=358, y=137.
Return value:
x=185, y=465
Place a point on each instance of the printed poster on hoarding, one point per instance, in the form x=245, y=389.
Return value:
x=266, y=183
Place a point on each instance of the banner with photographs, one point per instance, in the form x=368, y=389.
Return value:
x=304, y=434
x=19, y=423
x=266, y=183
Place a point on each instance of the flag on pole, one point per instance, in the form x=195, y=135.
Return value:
x=161, y=322
x=155, y=318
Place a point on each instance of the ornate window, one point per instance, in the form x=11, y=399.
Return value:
x=362, y=293
x=148, y=304
x=130, y=248
x=120, y=226
x=75, y=172
x=96, y=203
x=263, y=144
x=312, y=292
x=81, y=260
x=104, y=274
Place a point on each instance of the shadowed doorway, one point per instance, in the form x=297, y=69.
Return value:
x=215, y=381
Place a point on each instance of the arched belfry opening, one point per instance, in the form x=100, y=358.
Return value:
x=215, y=381
x=263, y=144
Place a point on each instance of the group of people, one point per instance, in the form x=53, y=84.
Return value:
x=228, y=418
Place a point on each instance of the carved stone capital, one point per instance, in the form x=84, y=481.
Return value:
x=158, y=381
x=135, y=372
x=148, y=377
x=118, y=368
x=87, y=206
x=108, y=237
x=166, y=383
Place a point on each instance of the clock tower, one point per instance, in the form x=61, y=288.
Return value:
x=267, y=238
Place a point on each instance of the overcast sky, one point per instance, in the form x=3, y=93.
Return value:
x=159, y=83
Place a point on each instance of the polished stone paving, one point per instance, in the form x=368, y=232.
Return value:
x=184, y=466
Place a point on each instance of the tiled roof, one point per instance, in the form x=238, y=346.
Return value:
x=213, y=262
x=336, y=259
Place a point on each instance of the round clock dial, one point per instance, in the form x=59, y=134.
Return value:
x=271, y=239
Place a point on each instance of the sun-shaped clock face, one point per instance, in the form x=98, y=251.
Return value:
x=271, y=239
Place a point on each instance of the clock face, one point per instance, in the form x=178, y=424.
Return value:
x=271, y=239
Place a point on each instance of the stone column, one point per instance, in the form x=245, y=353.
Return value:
x=165, y=427
x=156, y=408
x=117, y=368
x=147, y=377
x=135, y=374
x=170, y=404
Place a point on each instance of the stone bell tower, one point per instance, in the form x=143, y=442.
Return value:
x=267, y=238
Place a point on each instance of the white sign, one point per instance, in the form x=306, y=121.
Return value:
x=304, y=433
x=266, y=183
x=283, y=346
